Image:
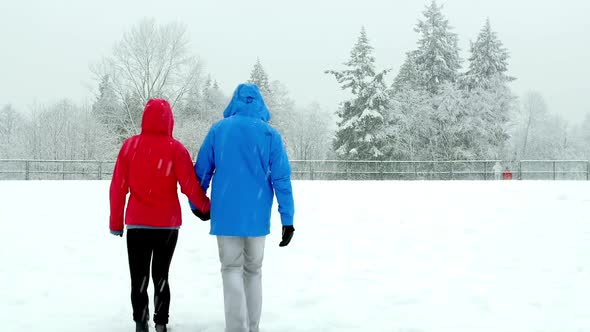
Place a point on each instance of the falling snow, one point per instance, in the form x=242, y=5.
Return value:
x=169, y=168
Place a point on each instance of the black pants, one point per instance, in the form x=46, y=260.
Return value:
x=155, y=246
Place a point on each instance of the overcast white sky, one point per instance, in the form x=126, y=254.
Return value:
x=47, y=46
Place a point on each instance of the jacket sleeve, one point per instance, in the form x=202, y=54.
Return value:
x=280, y=174
x=118, y=190
x=205, y=165
x=189, y=185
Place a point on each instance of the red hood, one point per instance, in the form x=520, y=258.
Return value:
x=157, y=118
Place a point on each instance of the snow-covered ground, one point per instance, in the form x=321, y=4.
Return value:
x=367, y=256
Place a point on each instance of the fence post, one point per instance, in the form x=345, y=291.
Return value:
x=63, y=170
x=452, y=175
x=27, y=170
x=100, y=170
x=485, y=170
x=520, y=170
x=433, y=171
x=347, y=171
x=311, y=170
x=554, y=170
x=415, y=171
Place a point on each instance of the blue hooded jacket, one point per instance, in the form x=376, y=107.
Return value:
x=246, y=159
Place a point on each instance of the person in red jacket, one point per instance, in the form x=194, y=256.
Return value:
x=149, y=166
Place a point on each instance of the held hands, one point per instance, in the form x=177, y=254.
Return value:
x=117, y=233
x=287, y=230
x=201, y=215
x=287, y=235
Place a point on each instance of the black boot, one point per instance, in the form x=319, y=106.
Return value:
x=161, y=328
x=141, y=327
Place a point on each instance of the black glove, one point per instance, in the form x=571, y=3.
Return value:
x=287, y=235
x=201, y=215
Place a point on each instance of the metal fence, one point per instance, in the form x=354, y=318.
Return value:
x=440, y=170
x=329, y=170
x=19, y=169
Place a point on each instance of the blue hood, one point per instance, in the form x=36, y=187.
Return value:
x=247, y=101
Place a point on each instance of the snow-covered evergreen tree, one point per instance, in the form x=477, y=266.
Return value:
x=259, y=77
x=428, y=101
x=488, y=93
x=362, y=128
x=282, y=109
x=108, y=110
x=437, y=57
x=454, y=129
x=483, y=106
x=410, y=128
x=408, y=76
x=276, y=97
x=279, y=102
x=361, y=66
x=214, y=100
x=488, y=62
x=492, y=108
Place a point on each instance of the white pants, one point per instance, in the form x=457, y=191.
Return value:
x=241, y=269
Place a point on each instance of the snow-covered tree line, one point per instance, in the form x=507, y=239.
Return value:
x=59, y=131
x=155, y=61
x=436, y=107
x=434, y=110
x=152, y=61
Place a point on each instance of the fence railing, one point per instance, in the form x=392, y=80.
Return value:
x=25, y=169
x=440, y=170
x=30, y=169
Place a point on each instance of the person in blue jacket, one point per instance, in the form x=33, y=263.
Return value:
x=246, y=160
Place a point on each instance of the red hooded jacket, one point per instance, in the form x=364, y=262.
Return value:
x=150, y=165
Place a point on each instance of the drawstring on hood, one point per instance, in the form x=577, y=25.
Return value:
x=247, y=101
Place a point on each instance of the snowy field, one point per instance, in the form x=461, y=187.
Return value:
x=367, y=256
